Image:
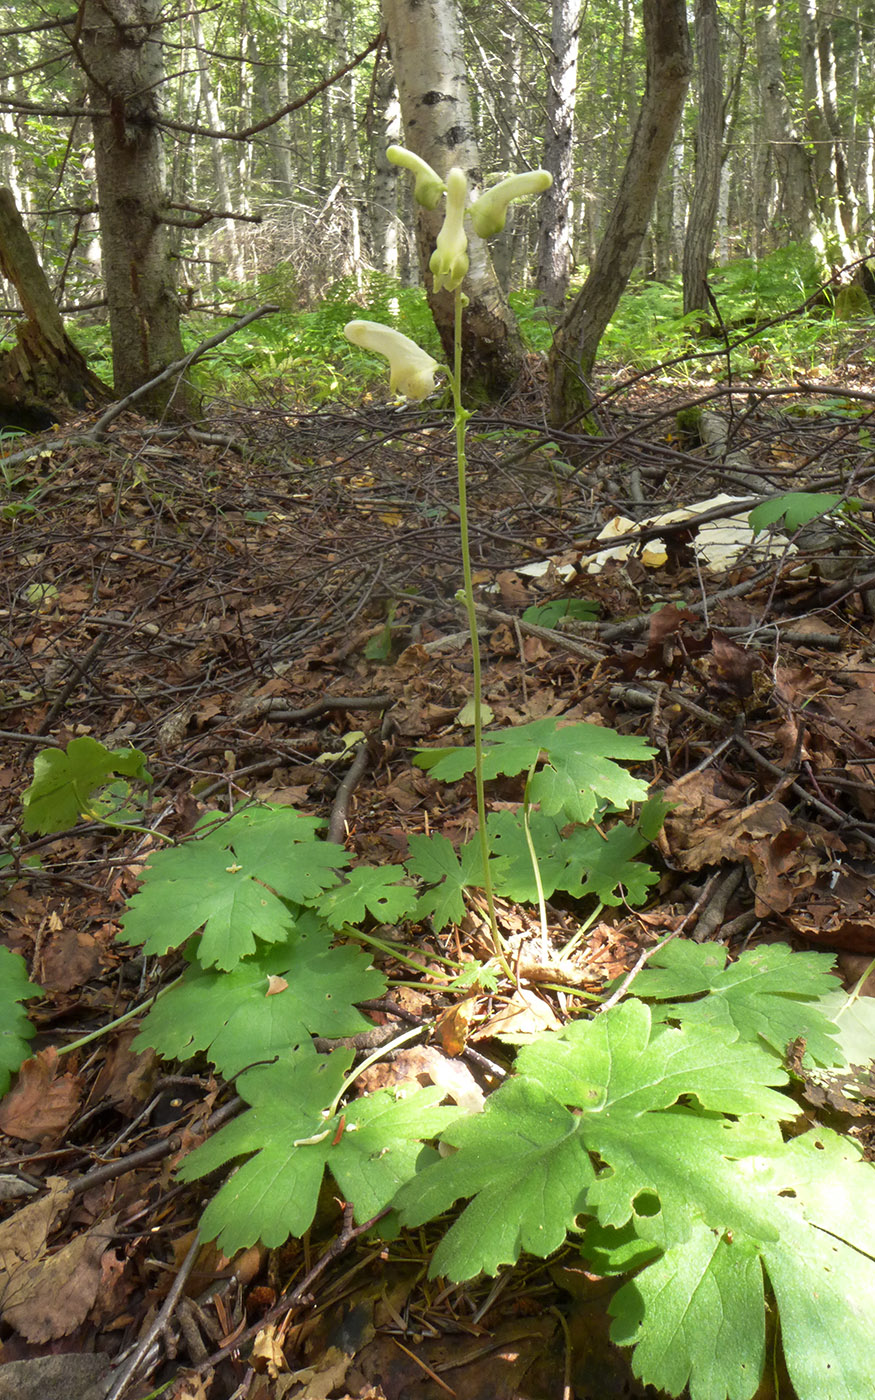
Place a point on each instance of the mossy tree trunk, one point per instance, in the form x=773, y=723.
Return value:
x=44, y=377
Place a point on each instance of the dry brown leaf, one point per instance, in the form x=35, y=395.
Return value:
x=52, y=1295
x=454, y=1025
x=421, y=1065
x=23, y=1236
x=733, y=666
x=70, y=959
x=43, y=1101
x=839, y=915
x=525, y=1016
x=127, y=1077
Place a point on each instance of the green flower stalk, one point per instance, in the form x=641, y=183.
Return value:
x=412, y=374
x=489, y=211
x=411, y=370
x=449, y=261
x=429, y=186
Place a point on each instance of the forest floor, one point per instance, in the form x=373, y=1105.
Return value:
x=235, y=608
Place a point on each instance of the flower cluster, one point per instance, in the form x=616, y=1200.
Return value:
x=411, y=369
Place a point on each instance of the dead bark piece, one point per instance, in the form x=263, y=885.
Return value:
x=44, y=377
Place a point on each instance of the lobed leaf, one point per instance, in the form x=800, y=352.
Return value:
x=219, y=883
x=581, y=773
x=367, y=890
x=15, y=1028
x=370, y=1147
x=64, y=781
x=769, y=992
x=247, y=1013
x=434, y=860
x=523, y=1162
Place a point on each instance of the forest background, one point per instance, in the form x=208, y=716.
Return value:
x=237, y=153
x=195, y=612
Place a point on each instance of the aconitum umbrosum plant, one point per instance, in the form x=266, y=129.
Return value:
x=412, y=376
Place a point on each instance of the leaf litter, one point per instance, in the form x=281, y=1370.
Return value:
x=232, y=617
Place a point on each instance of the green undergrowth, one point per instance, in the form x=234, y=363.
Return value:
x=649, y=327
x=661, y=1139
x=303, y=351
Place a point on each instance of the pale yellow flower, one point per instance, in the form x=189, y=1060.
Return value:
x=449, y=261
x=428, y=186
x=411, y=370
x=489, y=212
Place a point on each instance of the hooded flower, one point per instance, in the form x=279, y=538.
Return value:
x=411, y=370
x=449, y=261
x=429, y=186
x=489, y=212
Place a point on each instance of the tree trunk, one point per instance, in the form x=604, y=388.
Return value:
x=669, y=63
x=790, y=158
x=429, y=61
x=555, y=256
x=503, y=247
x=44, y=377
x=383, y=204
x=843, y=196
x=229, y=245
x=709, y=157
x=121, y=56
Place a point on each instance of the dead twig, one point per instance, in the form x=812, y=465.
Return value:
x=160, y=1323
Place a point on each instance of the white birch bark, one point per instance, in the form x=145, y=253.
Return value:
x=429, y=61
x=555, y=252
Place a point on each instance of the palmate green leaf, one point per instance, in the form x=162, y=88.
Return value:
x=525, y=1159
x=581, y=774
x=15, y=1028
x=64, y=781
x=219, y=883
x=698, y=1311
x=370, y=1147
x=580, y=860
x=239, y=1016
x=433, y=860
x=525, y=1165
x=806, y=1211
x=770, y=991
x=625, y=1063
x=368, y=890
x=675, y=1134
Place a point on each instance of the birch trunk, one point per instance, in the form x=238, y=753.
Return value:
x=555, y=255
x=426, y=48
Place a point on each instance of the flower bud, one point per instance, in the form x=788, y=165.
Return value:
x=429, y=186
x=489, y=212
x=449, y=261
x=411, y=370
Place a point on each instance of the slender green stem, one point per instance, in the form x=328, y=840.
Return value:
x=533, y=856
x=130, y=1015
x=461, y=420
